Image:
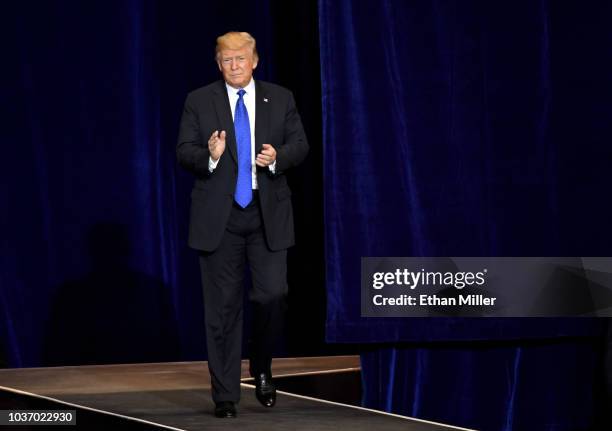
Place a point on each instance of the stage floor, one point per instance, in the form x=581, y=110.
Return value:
x=177, y=396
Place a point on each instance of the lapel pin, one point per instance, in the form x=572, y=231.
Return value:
x=265, y=100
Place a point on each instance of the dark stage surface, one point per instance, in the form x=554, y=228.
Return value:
x=315, y=394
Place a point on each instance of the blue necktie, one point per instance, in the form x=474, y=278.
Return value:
x=244, y=191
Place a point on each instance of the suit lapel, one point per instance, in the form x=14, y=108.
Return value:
x=224, y=114
x=262, y=115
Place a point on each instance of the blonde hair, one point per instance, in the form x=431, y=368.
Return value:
x=235, y=40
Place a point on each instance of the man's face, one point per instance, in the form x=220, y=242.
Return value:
x=237, y=66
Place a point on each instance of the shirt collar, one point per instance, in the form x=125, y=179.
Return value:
x=250, y=88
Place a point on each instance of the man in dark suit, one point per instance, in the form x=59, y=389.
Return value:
x=238, y=137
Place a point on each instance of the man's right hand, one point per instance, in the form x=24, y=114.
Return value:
x=216, y=144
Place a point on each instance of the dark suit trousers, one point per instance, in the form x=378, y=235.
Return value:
x=223, y=280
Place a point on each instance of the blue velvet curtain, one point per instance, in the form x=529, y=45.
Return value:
x=543, y=385
x=467, y=128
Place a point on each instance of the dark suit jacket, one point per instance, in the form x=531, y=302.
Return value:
x=277, y=123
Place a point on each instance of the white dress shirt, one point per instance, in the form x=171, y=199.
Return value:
x=249, y=103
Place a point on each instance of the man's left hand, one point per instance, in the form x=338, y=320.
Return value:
x=267, y=156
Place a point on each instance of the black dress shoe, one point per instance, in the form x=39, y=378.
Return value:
x=265, y=391
x=225, y=409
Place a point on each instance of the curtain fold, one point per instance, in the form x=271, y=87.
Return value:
x=544, y=385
